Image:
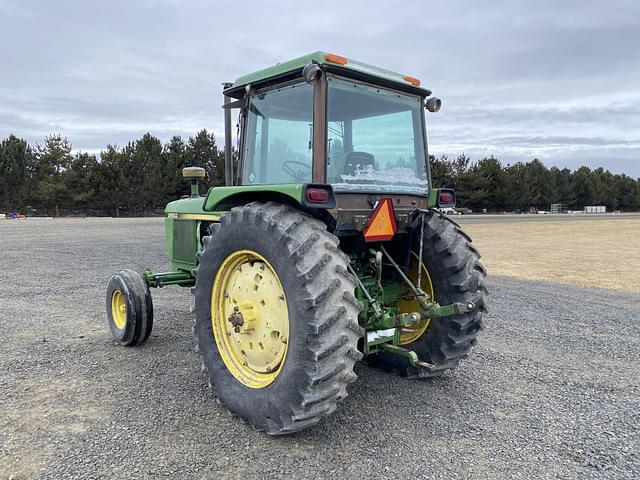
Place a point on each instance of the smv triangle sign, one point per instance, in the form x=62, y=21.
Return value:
x=382, y=225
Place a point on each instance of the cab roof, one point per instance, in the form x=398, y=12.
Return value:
x=331, y=63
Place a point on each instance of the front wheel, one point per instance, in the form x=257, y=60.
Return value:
x=129, y=308
x=275, y=316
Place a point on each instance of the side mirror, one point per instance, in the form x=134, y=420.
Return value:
x=193, y=174
x=445, y=198
x=433, y=104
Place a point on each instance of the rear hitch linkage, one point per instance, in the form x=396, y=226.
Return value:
x=430, y=310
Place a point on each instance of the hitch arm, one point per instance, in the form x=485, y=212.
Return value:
x=411, y=356
x=431, y=309
x=437, y=311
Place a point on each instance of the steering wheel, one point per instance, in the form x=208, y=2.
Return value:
x=302, y=173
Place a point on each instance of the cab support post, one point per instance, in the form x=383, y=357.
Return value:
x=228, y=162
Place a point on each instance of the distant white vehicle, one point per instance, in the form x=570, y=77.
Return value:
x=449, y=210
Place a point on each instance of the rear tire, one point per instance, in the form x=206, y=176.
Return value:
x=458, y=277
x=321, y=314
x=129, y=308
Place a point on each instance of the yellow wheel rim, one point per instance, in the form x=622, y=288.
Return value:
x=254, y=352
x=119, y=309
x=415, y=331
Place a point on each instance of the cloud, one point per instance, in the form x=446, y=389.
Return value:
x=558, y=81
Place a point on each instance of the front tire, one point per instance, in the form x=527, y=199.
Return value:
x=308, y=302
x=129, y=308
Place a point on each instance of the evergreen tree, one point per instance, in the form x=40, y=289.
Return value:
x=17, y=169
x=53, y=161
x=203, y=152
x=175, y=153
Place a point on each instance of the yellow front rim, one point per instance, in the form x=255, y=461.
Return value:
x=254, y=352
x=415, y=331
x=119, y=309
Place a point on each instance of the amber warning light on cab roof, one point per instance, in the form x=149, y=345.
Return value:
x=340, y=60
x=333, y=58
x=412, y=80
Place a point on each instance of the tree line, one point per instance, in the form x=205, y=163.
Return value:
x=489, y=184
x=145, y=174
x=132, y=180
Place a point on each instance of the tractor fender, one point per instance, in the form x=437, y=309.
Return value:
x=225, y=198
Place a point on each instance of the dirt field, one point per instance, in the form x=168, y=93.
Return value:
x=551, y=390
x=590, y=253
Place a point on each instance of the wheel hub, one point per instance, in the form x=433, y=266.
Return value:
x=119, y=309
x=250, y=318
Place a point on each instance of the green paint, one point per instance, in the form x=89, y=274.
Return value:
x=182, y=234
x=284, y=68
x=182, y=278
x=186, y=205
x=403, y=352
x=432, y=201
x=246, y=193
x=185, y=240
x=181, y=255
x=279, y=69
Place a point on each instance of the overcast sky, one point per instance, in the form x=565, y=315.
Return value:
x=556, y=80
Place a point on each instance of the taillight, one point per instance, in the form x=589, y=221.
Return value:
x=317, y=195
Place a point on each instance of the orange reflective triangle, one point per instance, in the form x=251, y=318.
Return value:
x=382, y=225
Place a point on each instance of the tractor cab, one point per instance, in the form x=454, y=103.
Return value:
x=325, y=119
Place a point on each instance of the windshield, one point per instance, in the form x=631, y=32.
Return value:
x=375, y=139
x=278, y=136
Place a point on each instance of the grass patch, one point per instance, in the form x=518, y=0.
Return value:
x=598, y=253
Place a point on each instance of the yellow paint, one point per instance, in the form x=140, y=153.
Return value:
x=194, y=216
x=119, y=309
x=255, y=353
x=416, y=330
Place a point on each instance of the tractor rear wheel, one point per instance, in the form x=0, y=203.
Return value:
x=129, y=308
x=452, y=272
x=275, y=316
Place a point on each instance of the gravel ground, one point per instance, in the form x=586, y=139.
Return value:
x=552, y=389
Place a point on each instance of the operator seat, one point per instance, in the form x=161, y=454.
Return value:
x=357, y=160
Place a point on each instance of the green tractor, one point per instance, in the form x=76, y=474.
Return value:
x=326, y=246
